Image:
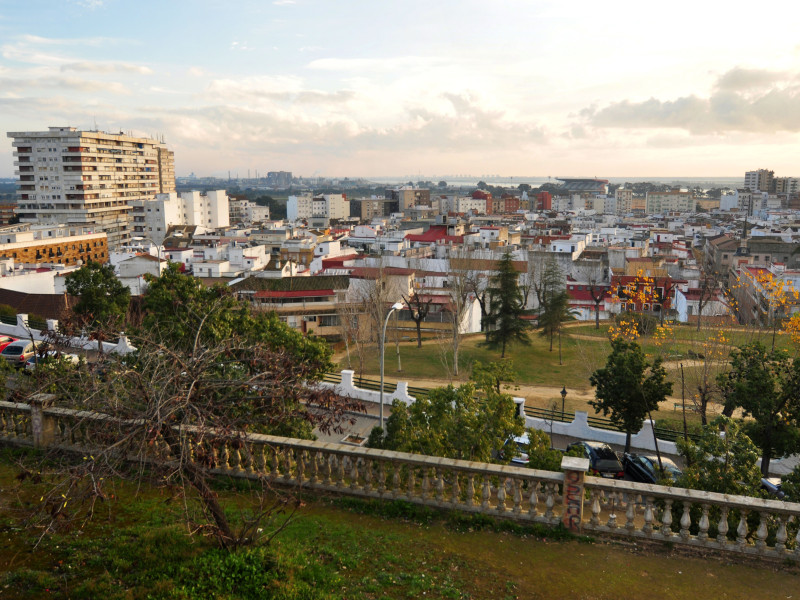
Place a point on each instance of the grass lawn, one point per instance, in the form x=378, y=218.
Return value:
x=138, y=547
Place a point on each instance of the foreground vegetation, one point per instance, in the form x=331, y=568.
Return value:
x=137, y=546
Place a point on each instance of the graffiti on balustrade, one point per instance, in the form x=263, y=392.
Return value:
x=573, y=500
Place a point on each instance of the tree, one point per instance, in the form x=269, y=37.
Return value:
x=628, y=388
x=442, y=184
x=206, y=369
x=482, y=185
x=419, y=307
x=505, y=317
x=466, y=423
x=524, y=187
x=102, y=299
x=459, y=287
x=541, y=454
x=723, y=460
x=765, y=385
x=552, y=319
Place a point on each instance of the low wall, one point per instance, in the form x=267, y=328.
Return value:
x=578, y=429
x=714, y=522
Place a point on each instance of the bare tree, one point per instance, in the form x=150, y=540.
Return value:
x=460, y=285
x=206, y=373
x=593, y=274
x=419, y=307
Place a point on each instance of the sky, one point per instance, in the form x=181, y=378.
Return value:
x=415, y=87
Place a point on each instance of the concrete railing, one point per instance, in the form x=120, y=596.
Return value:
x=585, y=504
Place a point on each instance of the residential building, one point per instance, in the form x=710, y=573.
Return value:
x=26, y=249
x=207, y=211
x=624, y=198
x=88, y=178
x=672, y=201
x=407, y=196
x=760, y=180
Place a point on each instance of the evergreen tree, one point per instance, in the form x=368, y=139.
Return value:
x=626, y=392
x=506, y=324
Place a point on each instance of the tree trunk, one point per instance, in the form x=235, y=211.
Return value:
x=419, y=334
x=627, y=441
x=597, y=315
x=560, y=363
x=552, y=335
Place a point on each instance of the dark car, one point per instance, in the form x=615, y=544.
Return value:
x=603, y=460
x=772, y=485
x=644, y=468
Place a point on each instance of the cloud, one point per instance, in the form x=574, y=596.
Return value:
x=283, y=2
x=746, y=100
x=373, y=64
x=19, y=85
x=106, y=67
x=197, y=72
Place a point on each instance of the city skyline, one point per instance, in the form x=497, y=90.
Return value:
x=378, y=89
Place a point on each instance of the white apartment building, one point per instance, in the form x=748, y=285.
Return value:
x=673, y=201
x=323, y=206
x=88, y=178
x=152, y=218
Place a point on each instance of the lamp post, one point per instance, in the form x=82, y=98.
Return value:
x=563, y=397
x=395, y=306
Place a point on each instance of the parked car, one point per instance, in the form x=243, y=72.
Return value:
x=17, y=353
x=603, y=461
x=773, y=487
x=5, y=340
x=50, y=356
x=644, y=467
x=521, y=457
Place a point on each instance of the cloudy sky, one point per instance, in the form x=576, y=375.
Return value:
x=416, y=87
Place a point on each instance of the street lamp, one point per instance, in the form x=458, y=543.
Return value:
x=563, y=397
x=395, y=306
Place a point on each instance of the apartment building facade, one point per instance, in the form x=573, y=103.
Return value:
x=88, y=178
x=207, y=211
x=673, y=201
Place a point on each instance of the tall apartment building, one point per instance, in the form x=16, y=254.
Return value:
x=761, y=180
x=673, y=201
x=207, y=211
x=786, y=185
x=88, y=178
x=624, y=198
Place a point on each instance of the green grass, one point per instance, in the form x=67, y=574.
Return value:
x=345, y=548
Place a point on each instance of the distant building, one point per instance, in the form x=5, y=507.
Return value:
x=88, y=177
x=207, y=211
x=408, y=196
x=279, y=179
x=584, y=186
x=673, y=201
x=760, y=180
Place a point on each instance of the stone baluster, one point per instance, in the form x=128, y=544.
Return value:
x=439, y=474
x=550, y=500
x=517, y=485
x=797, y=543
x=630, y=512
x=274, y=462
x=4, y=423
x=340, y=483
x=311, y=466
x=354, y=473
x=612, y=514
x=395, y=480
x=224, y=455
x=367, y=467
x=325, y=468
x=647, y=528
x=300, y=463
x=741, y=531
x=780, y=535
x=533, y=501
x=382, y=477
x=456, y=491
x=686, y=521
x=761, y=532
x=287, y=464
x=595, y=498
x=470, y=500
x=412, y=484
x=485, y=494
x=259, y=460
x=501, y=495
x=702, y=534
x=722, y=527
x=425, y=484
